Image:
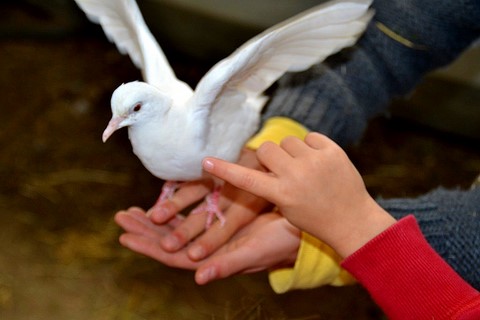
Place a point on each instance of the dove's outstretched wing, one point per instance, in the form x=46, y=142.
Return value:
x=294, y=45
x=124, y=25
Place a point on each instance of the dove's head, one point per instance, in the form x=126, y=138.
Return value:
x=134, y=103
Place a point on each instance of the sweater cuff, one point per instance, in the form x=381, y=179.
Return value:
x=317, y=264
x=276, y=129
x=406, y=277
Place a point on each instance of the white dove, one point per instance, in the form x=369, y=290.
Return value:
x=171, y=127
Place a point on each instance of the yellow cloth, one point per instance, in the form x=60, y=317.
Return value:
x=276, y=129
x=317, y=264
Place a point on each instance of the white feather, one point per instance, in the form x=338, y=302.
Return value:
x=294, y=45
x=124, y=25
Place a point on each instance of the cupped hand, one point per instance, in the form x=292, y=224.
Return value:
x=238, y=206
x=267, y=242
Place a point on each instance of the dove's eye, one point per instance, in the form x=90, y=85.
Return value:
x=137, y=107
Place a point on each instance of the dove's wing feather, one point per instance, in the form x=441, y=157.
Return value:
x=294, y=45
x=299, y=44
x=230, y=94
x=124, y=25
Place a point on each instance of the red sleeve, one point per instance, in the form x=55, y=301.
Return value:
x=408, y=279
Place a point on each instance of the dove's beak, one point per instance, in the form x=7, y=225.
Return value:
x=113, y=125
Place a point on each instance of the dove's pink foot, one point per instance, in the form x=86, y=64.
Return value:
x=212, y=209
x=168, y=189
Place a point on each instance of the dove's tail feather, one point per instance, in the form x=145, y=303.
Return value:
x=124, y=25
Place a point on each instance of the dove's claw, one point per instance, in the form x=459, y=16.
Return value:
x=168, y=189
x=212, y=209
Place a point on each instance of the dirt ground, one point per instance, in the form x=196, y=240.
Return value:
x=60, y=186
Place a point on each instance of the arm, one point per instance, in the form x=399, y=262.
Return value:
x=409, y=280
x=450, y=222
x=318, y=190
x=447, y=218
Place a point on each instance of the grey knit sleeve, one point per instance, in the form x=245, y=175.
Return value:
x=406, y=39
x=450, y=221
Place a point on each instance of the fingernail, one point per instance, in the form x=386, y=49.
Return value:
x=170, y=243
x=207, y=165
x=196, y=252
x=207, y=275
x=158, y=213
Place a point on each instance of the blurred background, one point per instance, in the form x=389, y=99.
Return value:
x=60, y=185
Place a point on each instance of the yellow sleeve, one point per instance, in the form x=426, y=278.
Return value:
x=317, y=264
x=275, y=130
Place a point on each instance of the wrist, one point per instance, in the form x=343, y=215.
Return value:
x=369, y=221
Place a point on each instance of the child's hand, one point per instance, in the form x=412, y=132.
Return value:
x=316, y=188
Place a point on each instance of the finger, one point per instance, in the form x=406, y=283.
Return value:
x=294, y=146
x=136, y=211
x=191, y=192
x=184, y=232
x=238, y=214
x=149, y=248
x=140, y=224
x=316, y=140
x=273, y=157
x=131, y=221
x=140, y=216
x=253, y=181
x=133, y=212
x=225, y=264
x=187, y=194
x=178, y=220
